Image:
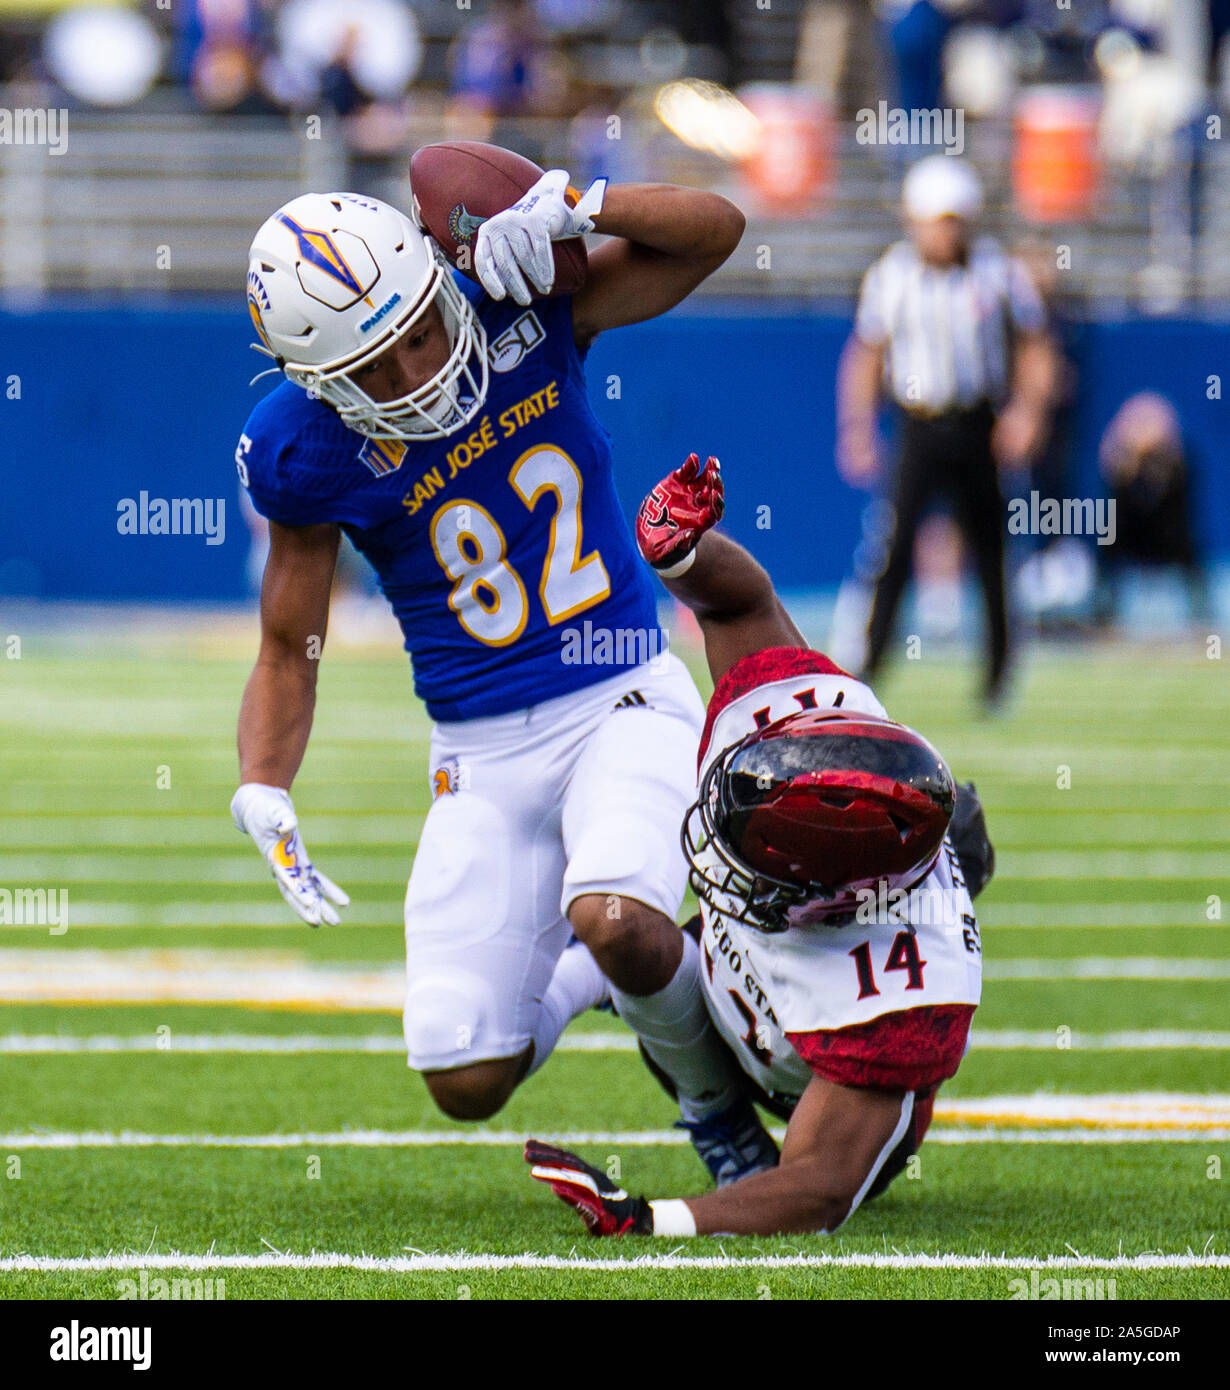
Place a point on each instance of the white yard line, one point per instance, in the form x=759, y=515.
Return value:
x=1111, y=863
x=1044, y=1118
x=274, y=913
x=1108, y=968
x=381, y=1044
x=1216, y=1134
x=264, y=978
x=1147, y=1040
x=207, y=832
x=651, y=1138
x=256, y=913
x=219, y=864
x=31, y=1044
x=185, y=975
x=1085, y=913
x=420, y=1263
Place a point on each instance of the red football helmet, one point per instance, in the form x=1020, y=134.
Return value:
x=794, y=821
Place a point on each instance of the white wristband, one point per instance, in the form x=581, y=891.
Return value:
x=672, y=1217
x=680, y=567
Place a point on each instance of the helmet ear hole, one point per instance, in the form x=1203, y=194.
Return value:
x=903, y=827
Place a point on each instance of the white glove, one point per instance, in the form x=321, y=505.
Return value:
x=266, y=813
x=516, y=243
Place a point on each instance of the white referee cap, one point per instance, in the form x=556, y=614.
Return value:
x=941, y=186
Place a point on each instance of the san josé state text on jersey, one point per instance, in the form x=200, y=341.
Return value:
x=493, y=544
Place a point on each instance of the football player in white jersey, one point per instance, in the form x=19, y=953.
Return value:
x=840, y=955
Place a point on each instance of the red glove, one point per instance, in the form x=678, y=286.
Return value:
x=683, y=506
x=604, y=1207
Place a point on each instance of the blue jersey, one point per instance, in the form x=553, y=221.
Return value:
x=501, y=548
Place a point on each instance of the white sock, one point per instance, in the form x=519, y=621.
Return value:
x=577, y=985
x=678, y=1034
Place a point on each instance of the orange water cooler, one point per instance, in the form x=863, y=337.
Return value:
x=1056, y=169
x=791, y=165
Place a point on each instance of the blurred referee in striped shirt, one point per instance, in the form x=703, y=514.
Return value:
x=953, y=330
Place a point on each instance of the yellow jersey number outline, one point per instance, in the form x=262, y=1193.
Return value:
x=578, y=564
x=466, y=573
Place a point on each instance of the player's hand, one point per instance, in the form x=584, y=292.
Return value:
x=266, y=813
x=1018, y=434
x=683, y=506
x=605, y=1208
x=514, y=246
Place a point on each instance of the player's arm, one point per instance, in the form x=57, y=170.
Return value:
x=836, y=1139
x=664, y=241
x=735, y=604
x=1021, y=426
x=733, y=598
x=275, y=717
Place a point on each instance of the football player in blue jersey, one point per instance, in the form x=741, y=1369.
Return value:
x=445, y=428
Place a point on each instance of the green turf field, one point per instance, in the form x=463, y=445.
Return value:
x=278, y=1143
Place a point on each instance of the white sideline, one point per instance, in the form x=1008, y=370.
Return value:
x=272, y=978
x=193, y=912
x=211, y=864
x=418, y=1262
x=1108, y=968
x=382, y=1044
x=1039, y=1119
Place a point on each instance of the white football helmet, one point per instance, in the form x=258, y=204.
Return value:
x=333, y=280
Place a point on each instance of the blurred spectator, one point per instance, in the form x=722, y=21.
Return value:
x=1144, y=461
x=955, y=330
x=705, y=27
x=226, y=79
x=497, y=61
x=915, y=37
x=1057, y=43
x=19, y=45
x=211, y=34
x=338, y=85
x=578, y=16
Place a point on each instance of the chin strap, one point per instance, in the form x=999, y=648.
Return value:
x=269, y=371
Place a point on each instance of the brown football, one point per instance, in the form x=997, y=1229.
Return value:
x=458, y=184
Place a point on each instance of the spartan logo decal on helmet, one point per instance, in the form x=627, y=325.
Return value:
x=258, y=302
x=333, y=281
x=794, y=821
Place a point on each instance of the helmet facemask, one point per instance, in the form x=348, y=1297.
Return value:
x=795, y=823
x=729, y=886
x=440, y=406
